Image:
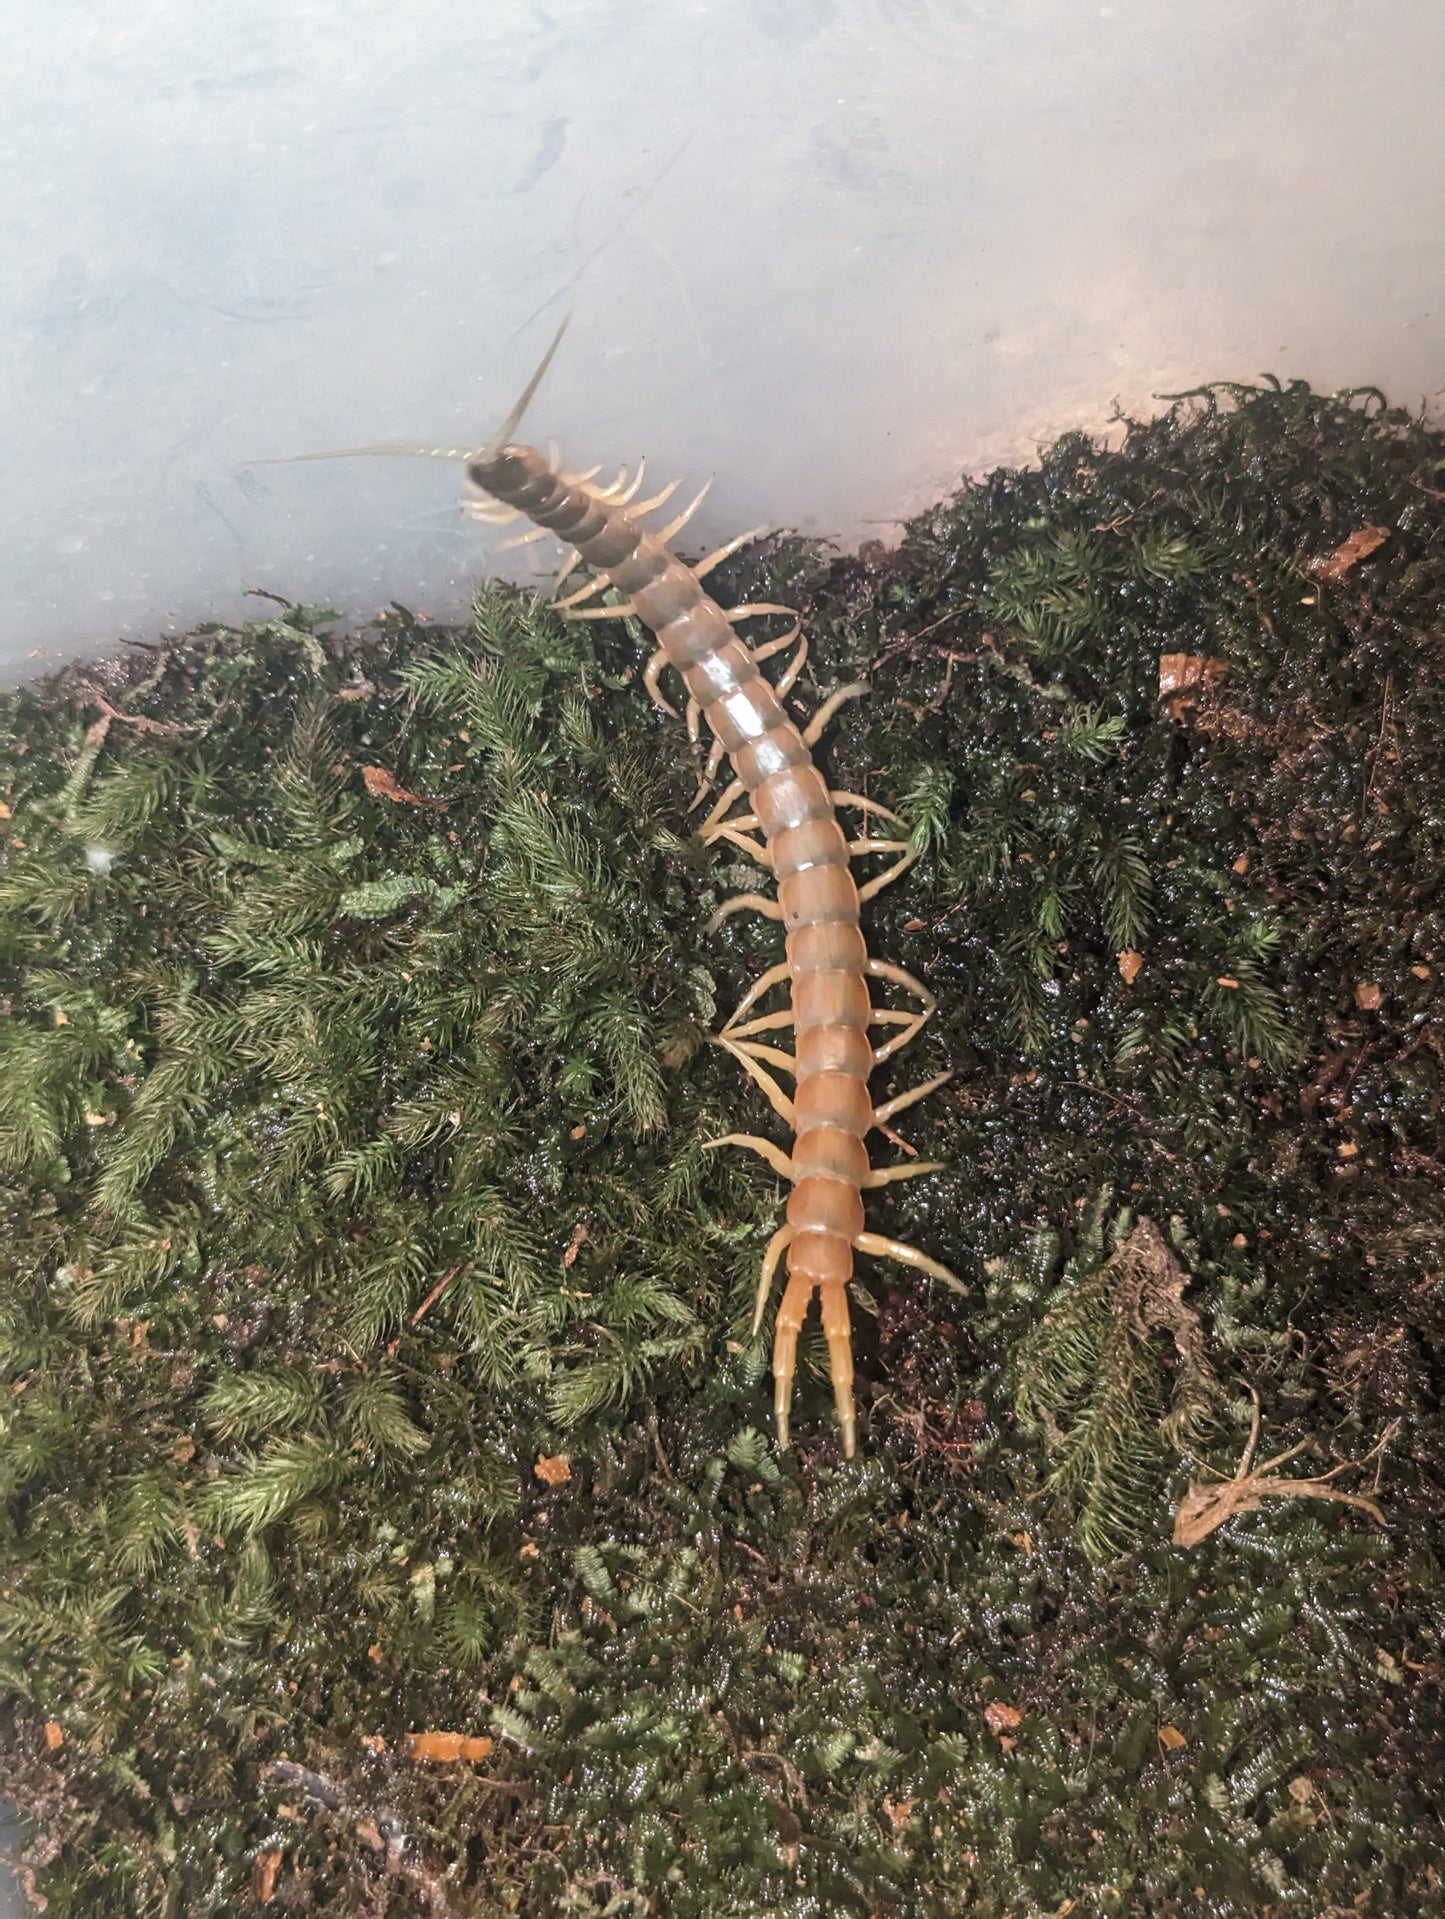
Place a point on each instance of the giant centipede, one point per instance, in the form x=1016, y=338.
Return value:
x=789, y=824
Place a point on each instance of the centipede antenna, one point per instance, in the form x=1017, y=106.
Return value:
x=389, y=450
x=502, y=437
x=381, y=449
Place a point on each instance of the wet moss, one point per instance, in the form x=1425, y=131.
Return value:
x=376, y=1327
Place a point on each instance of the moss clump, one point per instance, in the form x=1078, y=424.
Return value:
x=375, y=1326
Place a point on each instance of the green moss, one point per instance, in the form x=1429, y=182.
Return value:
x=355, y=1170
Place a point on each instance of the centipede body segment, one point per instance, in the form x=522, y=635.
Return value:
x=789, y=822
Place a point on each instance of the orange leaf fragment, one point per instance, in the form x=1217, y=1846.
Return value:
x=1001, y=1718
x=54, y=1735
x=1179, y=673
x=553, y=1471
x=443, y=1748
x=263, y=1876
x=1171, y=1739
x=385, y=786
x=1130, y=965
x=899, y=1812
x=1359, y=546
x=1367, y=998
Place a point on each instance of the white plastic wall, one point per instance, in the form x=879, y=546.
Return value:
x=833, y=250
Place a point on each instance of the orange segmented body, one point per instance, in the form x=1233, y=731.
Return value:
x=802, y=841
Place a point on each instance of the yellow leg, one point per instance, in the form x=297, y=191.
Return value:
x=765, y=1023
x=813, y=732
x=881, y=1248
x=755, y=849
x=754, y=610
x=776, y=1247
x=731, y=794
x=777, y=1098
x=884, y=969
x=704, y=567
x=833, y=1306
x=772, y=1054
x=885, y=1112
x=886, y=879
x=867, y=806
x=651, y=673
x=675, y=527
x=877, y=846
x=661, y=499
x=886, y=1175
x=912, y=1025
x=754, y=902
x=626, y=611
x=789, y=1323
x=774, y=976
x=774, y=1155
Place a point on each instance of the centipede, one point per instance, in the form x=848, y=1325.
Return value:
x=779, y=810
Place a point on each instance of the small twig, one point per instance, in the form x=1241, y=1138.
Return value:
x=108, y=713
x=1205, y=1508
x=754, y=1756
x=435, y=1294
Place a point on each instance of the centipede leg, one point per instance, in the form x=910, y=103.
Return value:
x=777, y=1245
x=675, y=527
x=886, y=1175
x=813, y=731
x=756, y=1050
x=882, y=1114
x=729, y=797
x=878, y=846
x=651, y=673
x=792, y=1311
x=755, y=849
x=833, y=1306
x=867, y=806
x=884, y=969
x=911, y=1023
x=774, y=976
x=773, y=1154
x=882, y=1248
x=754, y=610
x=767, y=1023
x=588, y=589
x=886, y=879
x=661, y=499
x=777, y=1098
x=704, y=567
x=755, y=902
